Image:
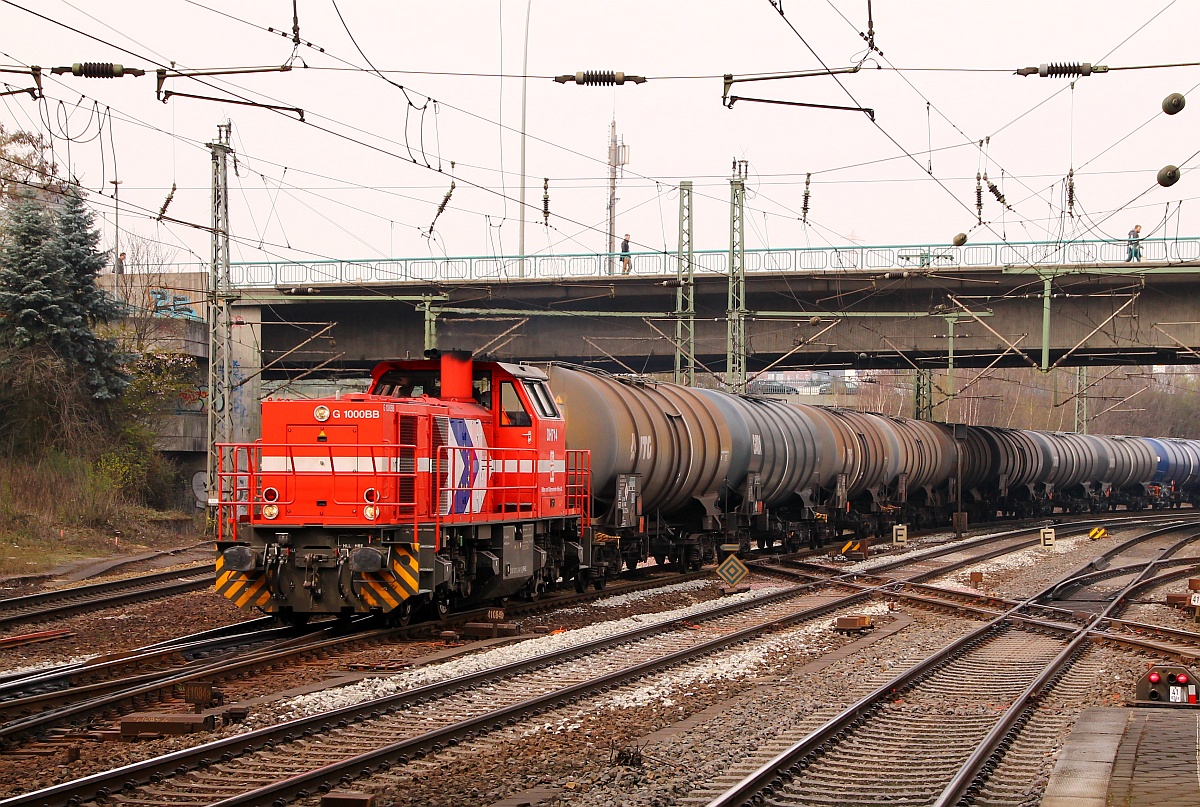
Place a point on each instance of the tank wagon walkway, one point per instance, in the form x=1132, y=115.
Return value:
x=1129, y=758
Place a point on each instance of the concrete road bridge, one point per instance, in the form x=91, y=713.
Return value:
x=926, y=306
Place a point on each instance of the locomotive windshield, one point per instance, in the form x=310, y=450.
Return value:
x=542, y=400
x=512, y=409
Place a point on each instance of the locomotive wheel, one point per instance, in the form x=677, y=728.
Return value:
x=401, y=615
x=292, y=618
x=441, y=608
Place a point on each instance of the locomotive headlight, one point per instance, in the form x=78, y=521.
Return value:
x=270, y=511
x=370, y=495
x=370, y=512
x=270, y=495
x=321, y=413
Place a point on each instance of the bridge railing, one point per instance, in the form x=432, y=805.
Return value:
x=716, y=262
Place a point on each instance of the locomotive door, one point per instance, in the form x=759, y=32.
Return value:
x=532, y=438
x=516, y=461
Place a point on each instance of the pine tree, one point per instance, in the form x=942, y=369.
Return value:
x=48, y=293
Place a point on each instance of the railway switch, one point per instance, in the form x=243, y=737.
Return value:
x=1167, y=685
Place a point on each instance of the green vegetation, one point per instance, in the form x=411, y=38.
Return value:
x=81, y=398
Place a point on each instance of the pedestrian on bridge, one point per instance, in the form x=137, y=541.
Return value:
x=626, y=262
x=1135, y=244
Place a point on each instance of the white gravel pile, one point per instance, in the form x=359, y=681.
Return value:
x=370, y=689
x=618, y=600
x=871, y=563
x=813, y=638
x=1015, y=560
x=44, y=666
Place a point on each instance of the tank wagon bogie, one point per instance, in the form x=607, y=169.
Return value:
x=452, y=482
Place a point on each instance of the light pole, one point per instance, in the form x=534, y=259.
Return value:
x=618, y=154
x=524, y=82
x=118, y=268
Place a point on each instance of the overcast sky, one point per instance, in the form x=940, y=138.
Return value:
x=363, y=176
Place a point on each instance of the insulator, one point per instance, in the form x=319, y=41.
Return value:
x=1168, y=175
x=1055, y=70
x=442, y=206
x=162, y=211
x=1173, y=103
x=804, y=210
x=979, y=197
x=996, y=192
x=1071, y=193
x=97, y=70
x=598, y=78
x=546, y=201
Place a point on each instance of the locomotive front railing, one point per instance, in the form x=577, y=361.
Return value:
x=388, y=484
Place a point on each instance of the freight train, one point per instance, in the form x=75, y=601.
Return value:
x=453, y=482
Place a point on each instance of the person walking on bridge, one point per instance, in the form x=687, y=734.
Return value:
x=1135, y=244
x=626, y=262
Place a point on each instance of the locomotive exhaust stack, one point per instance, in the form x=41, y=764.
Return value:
x=456, y=376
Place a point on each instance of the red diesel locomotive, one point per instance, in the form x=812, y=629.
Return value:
x=448, y=483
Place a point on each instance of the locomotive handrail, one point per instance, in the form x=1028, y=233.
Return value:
x=247, y=470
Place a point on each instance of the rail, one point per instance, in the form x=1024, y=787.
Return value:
x=852, y=258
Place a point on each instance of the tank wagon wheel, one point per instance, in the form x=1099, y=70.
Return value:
x=631, y=563
x=600, y=582
x=580, y=583
x=660, y=560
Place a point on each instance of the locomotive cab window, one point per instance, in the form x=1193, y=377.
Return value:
x=409, y=384
x=542, y=401
x=482, y=390
x=512, y=409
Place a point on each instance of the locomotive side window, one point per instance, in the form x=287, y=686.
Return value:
x=409, y=384
x=482, y=390
x=512, y=410
x=541, y=399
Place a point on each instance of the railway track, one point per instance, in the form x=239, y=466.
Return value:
x=275, y=735
x=995, y=678
x=205, y=773
x=31, y=706
x=67, y=601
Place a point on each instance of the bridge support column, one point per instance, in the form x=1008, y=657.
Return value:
x=431, y=315
x=1046, y=288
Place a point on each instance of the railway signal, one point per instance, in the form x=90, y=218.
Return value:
x=1167, y=685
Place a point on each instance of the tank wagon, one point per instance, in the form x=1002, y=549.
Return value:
x=452, y=482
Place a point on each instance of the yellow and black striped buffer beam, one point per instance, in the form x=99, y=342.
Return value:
x=387, y=589
x=245, y=590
